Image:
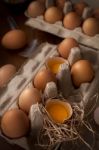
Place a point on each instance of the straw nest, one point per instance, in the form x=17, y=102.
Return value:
x=54, y=133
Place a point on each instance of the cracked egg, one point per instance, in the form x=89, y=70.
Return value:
x=59, y=111
x=53, y=63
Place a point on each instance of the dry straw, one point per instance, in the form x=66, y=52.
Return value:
x=54, y=133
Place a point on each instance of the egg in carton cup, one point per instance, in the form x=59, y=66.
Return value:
x=66, y=19
x=48, y=100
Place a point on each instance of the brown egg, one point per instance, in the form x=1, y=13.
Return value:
x=15, y=123
x=96, y=13
x=6, y=73
x=29, y=97
x=79, y=7
x=65, y=46
x=91, y=26
x=53, y=14
x=35, y=9
x=82, y=71
x=72, y=20
x=14, y=39
x=60, y=3
x=42, y=78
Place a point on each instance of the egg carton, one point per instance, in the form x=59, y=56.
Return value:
x=9, y=95
x=59, y=30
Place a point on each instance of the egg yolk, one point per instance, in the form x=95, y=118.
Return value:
x=54, y=66
x=58, y=113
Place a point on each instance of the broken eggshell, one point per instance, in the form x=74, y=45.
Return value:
x=64, y=80
x=53, y=63
x=59, y=111
x=50, y=90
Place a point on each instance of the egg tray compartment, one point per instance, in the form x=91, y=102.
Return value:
x=9, y=95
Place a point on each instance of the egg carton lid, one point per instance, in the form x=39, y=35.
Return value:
x=9, y=95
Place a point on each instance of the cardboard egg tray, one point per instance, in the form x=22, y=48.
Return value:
x=59, y=30
x=9, y=95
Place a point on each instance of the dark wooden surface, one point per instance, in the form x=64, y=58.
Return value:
x=12, y=56
x=4, y=145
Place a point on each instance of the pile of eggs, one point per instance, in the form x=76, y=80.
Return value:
x=45, y=90
x=71, y=15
